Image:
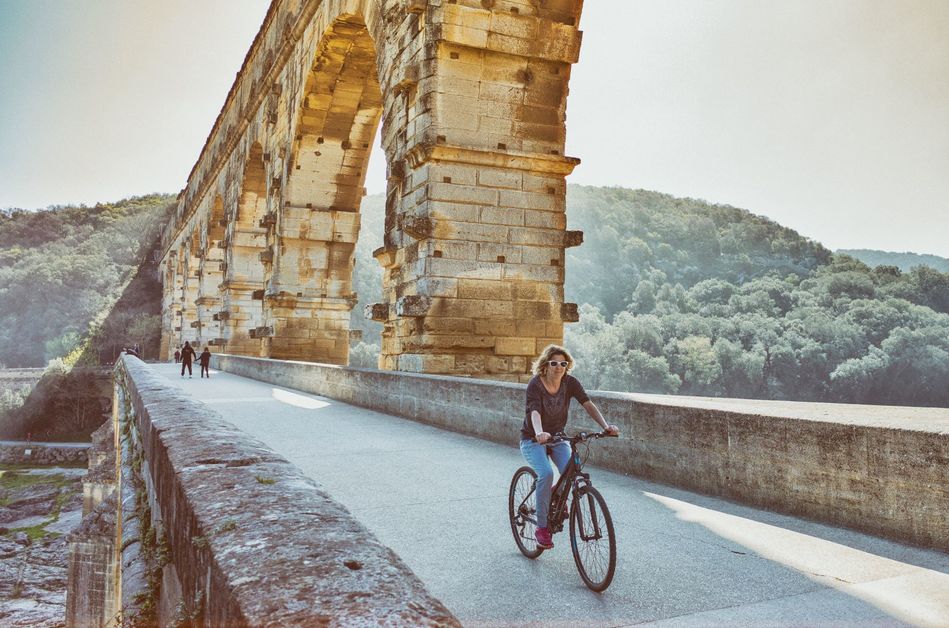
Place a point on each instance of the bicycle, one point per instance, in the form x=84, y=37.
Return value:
x=591, y=526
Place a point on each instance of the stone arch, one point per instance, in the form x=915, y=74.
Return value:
x=473, y=97
x=314, y=235
x=210, y=273
x=252, y=203
x=189, y=280
x=243, y=262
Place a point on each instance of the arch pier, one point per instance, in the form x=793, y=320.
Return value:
x=471, y=94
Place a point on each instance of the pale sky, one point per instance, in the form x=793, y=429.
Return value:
x=830, y=117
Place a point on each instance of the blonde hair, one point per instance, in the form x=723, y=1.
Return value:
x=540, y=364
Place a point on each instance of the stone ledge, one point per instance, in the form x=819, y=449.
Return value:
x=252, y=536
x=877, y=469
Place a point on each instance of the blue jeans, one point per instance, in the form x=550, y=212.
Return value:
x=536, y=456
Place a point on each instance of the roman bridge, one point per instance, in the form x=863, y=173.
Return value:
x=472, y=98
x=293, y=493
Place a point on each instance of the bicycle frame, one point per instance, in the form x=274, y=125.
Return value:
x=572, y=477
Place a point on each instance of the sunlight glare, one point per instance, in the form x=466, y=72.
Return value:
x=298, y=400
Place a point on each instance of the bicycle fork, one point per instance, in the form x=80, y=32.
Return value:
x=592, y=535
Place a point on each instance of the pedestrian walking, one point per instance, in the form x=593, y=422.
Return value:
x=187, y=355
x=177, y=355
x=205, y=360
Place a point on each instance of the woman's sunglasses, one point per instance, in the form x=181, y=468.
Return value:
x=556, y=363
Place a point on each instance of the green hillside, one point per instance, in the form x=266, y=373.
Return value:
x=677, y=296
x=76, y=285
x=904, y=261
x=681, y=296
x=63, y=269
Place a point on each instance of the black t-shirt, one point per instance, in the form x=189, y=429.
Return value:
x=553, y=408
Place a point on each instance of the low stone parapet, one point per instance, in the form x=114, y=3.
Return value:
x=16, y=380
x=42, y=454
x=877, y=469
x=249, y=540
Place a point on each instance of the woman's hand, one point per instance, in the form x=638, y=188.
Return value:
x=612, y=429
x=542, y=437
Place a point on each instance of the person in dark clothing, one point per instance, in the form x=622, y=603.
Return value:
x=187, y=355
x=177, y=355
x=205, y=360
x=548, y=399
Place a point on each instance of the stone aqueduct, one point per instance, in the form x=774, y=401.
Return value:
x=472, y=96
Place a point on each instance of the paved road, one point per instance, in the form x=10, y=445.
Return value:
x=439, y=500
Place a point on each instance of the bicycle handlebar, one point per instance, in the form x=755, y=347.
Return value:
x=579, y=437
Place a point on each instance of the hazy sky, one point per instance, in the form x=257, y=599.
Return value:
x=830, y=116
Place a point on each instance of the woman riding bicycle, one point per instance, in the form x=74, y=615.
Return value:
x=548, y=400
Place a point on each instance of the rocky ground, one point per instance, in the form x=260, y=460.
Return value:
x=38, y=507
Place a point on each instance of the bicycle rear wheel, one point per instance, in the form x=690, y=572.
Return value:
x=592, y=539
x=522, y=510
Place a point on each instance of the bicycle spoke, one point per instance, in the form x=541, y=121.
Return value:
x=522, y=504
x=594, y=548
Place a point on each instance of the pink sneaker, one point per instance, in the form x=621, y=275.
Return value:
x=543, y=538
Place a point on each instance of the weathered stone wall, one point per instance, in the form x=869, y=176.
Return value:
x=251, y=540
x=17, y=379
x=878, y=469
x=90, y=592
x=45, y=454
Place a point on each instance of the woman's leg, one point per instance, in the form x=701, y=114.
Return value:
x=536, y=456
x=561, y=455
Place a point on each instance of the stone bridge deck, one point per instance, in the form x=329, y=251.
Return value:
x=439, y=500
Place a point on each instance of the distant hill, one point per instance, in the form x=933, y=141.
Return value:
x=636, y=235
x=676, y=296
x=63, y=269
x=903, y=261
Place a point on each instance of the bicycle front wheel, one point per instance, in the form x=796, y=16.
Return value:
x=522, y=510
x=592, y=538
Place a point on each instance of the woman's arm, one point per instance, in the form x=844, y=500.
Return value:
x=541, y=436
x=534, y=404
x=594, y=413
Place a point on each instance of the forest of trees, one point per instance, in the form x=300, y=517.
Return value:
x=63, y=269
x=683, y=296
x=680, y=296
x=676, y=296
x=76, y=285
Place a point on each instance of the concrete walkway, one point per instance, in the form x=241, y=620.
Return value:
x=439, y=500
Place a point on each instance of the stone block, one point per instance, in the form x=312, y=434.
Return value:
x=542, y=255
x=529, y=200
x=414, y=305
x=502, y=216
x=443, y=324
x=437, y=287
x=467, y=194
x=461, y=212
x=500, y=253
x=510, y=179
x=533, y=310
x=481, y=289
x=533, y=272
x=515, y=346
x=569, y=313
x=495, y=326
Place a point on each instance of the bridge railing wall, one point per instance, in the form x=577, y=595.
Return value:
x=877, y=469
x=242, y=537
